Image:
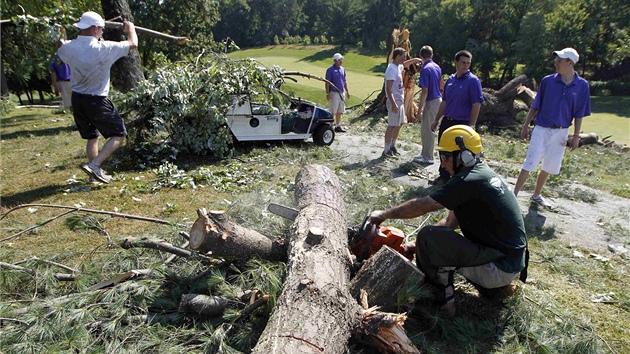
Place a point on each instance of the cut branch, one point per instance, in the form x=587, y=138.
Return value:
x=162, y=245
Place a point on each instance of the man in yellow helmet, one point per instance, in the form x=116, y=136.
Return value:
x=490, y=251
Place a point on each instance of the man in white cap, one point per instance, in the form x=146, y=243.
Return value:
x=335, y=94
x=90, y=61
x=562, y=98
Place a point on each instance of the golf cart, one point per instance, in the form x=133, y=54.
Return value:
x=250, y=121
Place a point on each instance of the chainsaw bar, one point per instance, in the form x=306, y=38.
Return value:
x=284, y=211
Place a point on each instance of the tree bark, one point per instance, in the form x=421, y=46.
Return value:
x=383, y=276
x=126, y=72
x=212, y=232
x=315, y=310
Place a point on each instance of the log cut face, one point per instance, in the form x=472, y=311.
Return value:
x=315, y=311
x=383, y=276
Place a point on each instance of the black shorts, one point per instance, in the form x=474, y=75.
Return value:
x=96, y=114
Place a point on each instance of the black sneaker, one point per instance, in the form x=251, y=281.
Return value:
x=339, y=129
x=394, y=150
x=388, y=154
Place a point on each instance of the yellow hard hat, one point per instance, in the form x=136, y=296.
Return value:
x=470, y=138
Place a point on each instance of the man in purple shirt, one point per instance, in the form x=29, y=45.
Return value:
x=335, y=94
x=60, y=77
x=430, y=99
x=461, y=102
x=562, y=98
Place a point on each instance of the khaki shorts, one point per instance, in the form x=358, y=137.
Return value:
x=66, y=93
x=396, y=119
x=336, y=104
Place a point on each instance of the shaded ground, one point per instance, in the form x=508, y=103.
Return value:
x=577, y=223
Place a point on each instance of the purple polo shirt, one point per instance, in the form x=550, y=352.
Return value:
x=430, y=76
x=558, y=104
x=460, y=94
x=336, y=75
x=62, y=70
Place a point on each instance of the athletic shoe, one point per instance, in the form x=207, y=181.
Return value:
x=394, y=150
x=538, y=199
x=96, y=172
x=339, y=129
x=423, y=160
x=388, y=154
x=93, y=181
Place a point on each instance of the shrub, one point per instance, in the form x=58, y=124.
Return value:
x=609, y=88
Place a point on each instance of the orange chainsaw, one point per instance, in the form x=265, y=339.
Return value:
x=365, y=239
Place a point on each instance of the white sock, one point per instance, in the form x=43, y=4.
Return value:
x=387, y=147
x=393, y=143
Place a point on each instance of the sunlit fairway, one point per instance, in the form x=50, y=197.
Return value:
x=610, y=115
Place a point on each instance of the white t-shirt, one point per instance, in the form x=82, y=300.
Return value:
x=90, y=62
x=394, y=72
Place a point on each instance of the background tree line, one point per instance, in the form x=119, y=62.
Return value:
x=506, y=37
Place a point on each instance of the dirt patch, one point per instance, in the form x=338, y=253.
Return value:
x=594, y=226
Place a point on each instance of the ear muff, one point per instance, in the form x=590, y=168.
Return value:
x=466, y=156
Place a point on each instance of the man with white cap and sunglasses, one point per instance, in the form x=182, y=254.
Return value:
x=90, y=62
x=562, y=99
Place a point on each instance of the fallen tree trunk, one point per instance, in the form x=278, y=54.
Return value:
x=383, y=276
x=315, y=310
x=212, y=232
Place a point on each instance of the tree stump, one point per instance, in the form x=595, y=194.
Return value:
x=212, y=232
x=383, y=276
x=315, y=311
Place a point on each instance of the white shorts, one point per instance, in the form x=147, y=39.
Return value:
x=549, y=145
x=396, y=119
x=336, y=104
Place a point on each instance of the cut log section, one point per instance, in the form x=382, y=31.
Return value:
x=315, y=311
x=212, y=232
x=383, y=276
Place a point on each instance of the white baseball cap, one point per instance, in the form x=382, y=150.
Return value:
x=89, y=19
x=337, y=56
x=568, y=53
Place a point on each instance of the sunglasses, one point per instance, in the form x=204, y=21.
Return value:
x=445, y=156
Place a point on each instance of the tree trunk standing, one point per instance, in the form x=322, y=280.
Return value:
x=315, y=310
x=4, y=87
x=126, y=72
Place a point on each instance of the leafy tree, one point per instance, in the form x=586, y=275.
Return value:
x=183, y=105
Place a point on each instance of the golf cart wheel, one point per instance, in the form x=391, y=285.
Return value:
x=324, y=135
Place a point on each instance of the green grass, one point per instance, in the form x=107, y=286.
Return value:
x=610, y=115
x=364, y=72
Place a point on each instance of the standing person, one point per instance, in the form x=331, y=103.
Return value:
x=562, y=98
x=394, y=92
x=335, y=95
x=461, y=102
x=60, y=77
x=430, y=99
x=90, y=61
x=491, y=250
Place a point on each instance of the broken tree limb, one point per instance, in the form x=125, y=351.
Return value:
x=38, y=225
x=526, y=95
x=383, y=276
x=315, y=311
x=384, y=329
x=149, y=33
x=162, y=245
x=58, y=276
x=202, y=304
x=213, y=232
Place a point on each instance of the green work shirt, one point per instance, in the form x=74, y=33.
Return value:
x=488, y=213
